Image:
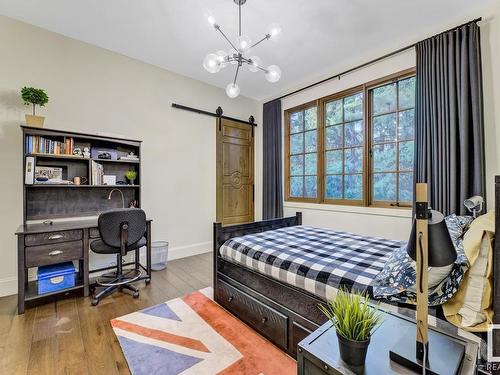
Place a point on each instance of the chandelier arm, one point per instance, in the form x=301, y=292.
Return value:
x=236, y=75
x=263, y=69
x=217, y=27
x=266, y=37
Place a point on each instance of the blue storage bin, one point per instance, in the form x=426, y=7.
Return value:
x=56, y=277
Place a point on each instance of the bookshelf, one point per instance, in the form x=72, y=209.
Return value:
x=49, y=188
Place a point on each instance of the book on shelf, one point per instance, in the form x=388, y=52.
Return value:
x=36, y=144
x=97, y=173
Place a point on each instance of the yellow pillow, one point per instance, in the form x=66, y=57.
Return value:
x=470, y=308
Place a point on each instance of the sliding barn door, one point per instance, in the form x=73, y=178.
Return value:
x=235, y=172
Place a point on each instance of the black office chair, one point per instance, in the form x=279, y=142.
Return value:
x=121, y=230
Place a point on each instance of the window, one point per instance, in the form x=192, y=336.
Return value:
x=392, y=129
x=344, y=148
x=354, y=147
x=303, y=153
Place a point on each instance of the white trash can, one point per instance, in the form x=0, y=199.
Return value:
x=159, y=255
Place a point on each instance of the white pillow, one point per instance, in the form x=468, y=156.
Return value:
x=472, y=310
x=436, y=275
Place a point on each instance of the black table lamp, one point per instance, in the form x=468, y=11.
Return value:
x=430, y=244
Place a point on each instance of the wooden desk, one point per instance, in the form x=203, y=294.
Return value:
x=43, y=244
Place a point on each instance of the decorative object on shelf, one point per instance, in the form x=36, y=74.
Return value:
x=430, y=245
x=77, y=151
x=131, y=175
x=133, y=204
x=53, y=174
x=34, y=97
x=354, y=321
x=129, y=157
x=86, y=152
x=29, y=174
x=239, y=52
x=80, y=180
x=108, y=179
x=104, y=153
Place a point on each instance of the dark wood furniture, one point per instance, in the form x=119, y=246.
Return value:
x=283, y=313
x=70, y=211
x=318, y=353
x=42, y=244
x=53, y=201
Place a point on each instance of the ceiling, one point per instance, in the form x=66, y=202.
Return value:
x=319, y=36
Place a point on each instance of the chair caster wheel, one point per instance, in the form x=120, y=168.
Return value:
x=135, y=295
x=148, y=280
x=94, y=302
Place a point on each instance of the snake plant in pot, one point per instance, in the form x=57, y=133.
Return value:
x=354, y=321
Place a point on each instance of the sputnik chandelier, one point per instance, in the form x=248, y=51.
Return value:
x=238, y=53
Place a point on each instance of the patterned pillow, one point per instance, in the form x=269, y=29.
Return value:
x=398, y=277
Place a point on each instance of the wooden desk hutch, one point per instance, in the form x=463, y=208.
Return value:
x=59, y=217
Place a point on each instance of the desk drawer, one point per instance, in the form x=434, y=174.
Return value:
x=259, y=316
x=52, y=237
x=50, y=254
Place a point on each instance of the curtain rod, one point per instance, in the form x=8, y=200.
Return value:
x=371, y=62
x=217, y=113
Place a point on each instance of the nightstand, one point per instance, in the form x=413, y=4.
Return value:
x=318, y=353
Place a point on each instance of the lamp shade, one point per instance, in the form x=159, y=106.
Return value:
x=440, y=246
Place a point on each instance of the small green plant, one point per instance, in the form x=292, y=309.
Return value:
x=352, y=316
x=32, y=96
x=131, y=175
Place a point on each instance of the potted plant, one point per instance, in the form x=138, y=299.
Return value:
x=354, y=321
x=34, y=97
x=131, y=175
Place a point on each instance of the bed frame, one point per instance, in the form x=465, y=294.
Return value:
x=283, y=313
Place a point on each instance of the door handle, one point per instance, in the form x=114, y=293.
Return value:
x=55, y=252
x=55, y=236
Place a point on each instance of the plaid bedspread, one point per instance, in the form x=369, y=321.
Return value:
x=321, y=261
x=318, y=260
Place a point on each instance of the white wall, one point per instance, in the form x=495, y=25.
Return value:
x=391, y=223
x=97, y=91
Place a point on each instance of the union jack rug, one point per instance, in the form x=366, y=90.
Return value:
x=194, y=335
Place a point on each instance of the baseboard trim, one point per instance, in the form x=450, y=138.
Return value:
x=189, y=250
x=8, y=286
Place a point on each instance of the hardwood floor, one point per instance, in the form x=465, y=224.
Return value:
x=69, y=336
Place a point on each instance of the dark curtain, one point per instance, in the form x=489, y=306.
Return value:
x=449, y=129
x=272, y=164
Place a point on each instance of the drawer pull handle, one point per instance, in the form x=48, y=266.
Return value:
x=264, y=320
x=55, y=252
x=230, y=299
x=55, y=236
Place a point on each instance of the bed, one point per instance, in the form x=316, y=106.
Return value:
x=267, y=295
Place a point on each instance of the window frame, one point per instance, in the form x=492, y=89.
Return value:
x=320, y=104
x=322, y=109
x=319, y=193
x=369, y=87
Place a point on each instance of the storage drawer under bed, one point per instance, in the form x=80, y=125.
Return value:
x=267, y=321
